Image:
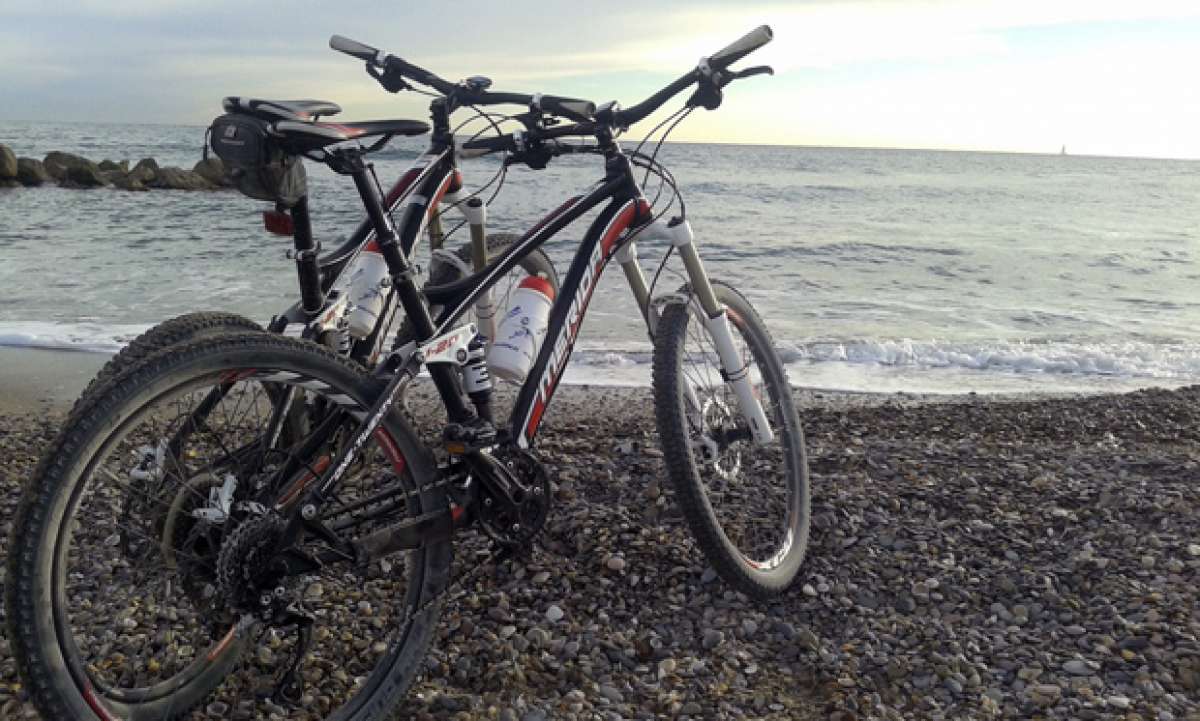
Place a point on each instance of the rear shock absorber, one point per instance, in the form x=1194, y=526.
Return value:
x=477, y=380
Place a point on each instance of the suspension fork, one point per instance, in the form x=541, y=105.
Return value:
x=485, y=307
x=628, y=258
x=716, y=320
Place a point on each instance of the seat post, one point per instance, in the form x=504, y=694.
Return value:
x=307, y=267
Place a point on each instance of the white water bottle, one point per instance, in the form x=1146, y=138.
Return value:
x=367, y=290
x=522, y=329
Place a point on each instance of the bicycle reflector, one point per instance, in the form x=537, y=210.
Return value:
x=278, y=222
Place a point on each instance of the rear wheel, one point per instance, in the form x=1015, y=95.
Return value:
x=746, y=503
x=144, y=615
x=181, y=329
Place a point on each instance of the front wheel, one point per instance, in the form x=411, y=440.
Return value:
x=746, y=503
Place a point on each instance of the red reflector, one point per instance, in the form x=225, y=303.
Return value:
x=278, y=222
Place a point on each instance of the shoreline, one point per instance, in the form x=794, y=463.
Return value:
x=41, y=380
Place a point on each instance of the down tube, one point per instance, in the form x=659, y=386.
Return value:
x=566, y=316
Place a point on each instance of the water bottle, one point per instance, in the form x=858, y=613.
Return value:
x=367, y=289
x=522, y=329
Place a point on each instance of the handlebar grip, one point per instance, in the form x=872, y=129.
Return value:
x=740, y=48
x=357, y=49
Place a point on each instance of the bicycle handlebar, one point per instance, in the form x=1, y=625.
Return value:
x=581, y=111
x=357, y=49
x=570, y=108
x=741, y=47
x=715, y=63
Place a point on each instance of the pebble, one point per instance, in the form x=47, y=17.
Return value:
x=1045, y=694
x=712, y=638
x=611, y=694
x=539, y=637
x=1076, y=667
x=554, y=614
x=615, y=564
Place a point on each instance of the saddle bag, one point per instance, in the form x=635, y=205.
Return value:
x=256, y=163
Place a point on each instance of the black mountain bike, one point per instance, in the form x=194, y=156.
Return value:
x=265, y=563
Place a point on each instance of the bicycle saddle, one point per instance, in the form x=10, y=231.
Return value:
x=315, y=135
x=281, y=109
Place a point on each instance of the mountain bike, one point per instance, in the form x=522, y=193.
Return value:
x=319, y=562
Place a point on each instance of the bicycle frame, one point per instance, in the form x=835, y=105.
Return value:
x=627, y=212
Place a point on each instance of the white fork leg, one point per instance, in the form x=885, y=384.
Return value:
x=485, y=307
x=736, y=372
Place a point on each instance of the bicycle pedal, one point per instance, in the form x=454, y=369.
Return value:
x=463, y=438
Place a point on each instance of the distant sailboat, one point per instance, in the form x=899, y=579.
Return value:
x=1063, y=151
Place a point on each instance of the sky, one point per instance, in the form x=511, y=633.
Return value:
x=1106, y=77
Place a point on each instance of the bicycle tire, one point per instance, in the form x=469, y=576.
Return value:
x=180, y=329
x=704, y=487
x=39, y=626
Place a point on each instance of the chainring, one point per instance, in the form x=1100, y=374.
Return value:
x=514, y=526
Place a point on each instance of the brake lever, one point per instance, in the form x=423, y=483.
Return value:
x=756, y=70
x=391, y=82
x=746, y=73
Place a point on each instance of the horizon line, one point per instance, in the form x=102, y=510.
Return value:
x=985, y=151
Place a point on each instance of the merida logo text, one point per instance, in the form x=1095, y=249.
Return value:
x=570, y=329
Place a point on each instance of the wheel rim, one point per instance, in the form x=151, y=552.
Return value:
x=138, y=634
x=750, y=489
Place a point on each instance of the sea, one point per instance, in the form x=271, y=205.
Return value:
x=875, y=270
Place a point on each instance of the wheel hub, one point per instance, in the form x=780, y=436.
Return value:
x=727, y=462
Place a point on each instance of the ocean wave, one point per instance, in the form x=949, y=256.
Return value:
x=1132, y=359
x=1129, y=359
x=877, y=253
x=88, y=337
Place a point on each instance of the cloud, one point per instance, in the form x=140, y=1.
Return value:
x=859, y=71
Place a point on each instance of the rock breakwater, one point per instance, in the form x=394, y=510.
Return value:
x=67, y=170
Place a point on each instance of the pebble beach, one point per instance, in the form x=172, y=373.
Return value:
x=971, y=557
